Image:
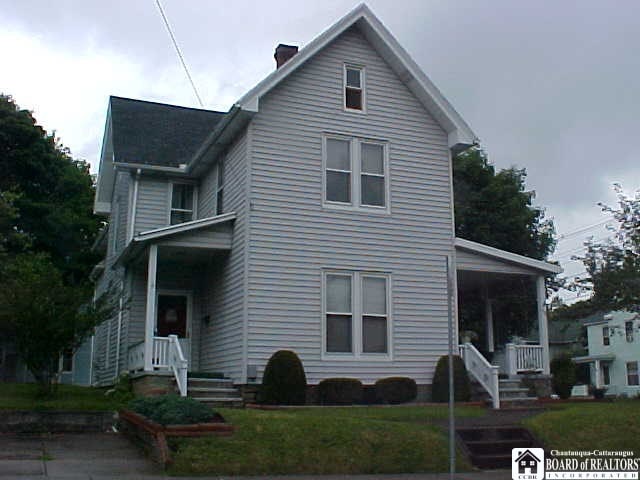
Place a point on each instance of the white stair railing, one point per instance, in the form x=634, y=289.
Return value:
x=485, y=373
x=178, y=364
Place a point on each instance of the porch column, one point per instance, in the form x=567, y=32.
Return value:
x=488, y=316
x=597, y=373
x=151, y=307
x=543, y=331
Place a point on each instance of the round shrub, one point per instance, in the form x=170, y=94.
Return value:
x=461, y=384
x=172, y=410
x=563, y=370
x=340, y=391
x=396, y=389
x=284, y=381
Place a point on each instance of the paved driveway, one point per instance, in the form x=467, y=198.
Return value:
x=72, y=456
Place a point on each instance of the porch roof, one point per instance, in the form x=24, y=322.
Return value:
x=483, y=258
x=182, y=235
x=603, y=357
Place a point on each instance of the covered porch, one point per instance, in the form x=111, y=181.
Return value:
x=170, y=269
x=502, y=318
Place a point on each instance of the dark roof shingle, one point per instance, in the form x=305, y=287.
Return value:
x=158, y=134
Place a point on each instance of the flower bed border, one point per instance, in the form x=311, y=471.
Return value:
x=153, y=436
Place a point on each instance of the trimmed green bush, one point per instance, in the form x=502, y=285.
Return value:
x=172, y=410
x=461, y=384
x=396, y=390
x=284, y=381
x=340, y=391
x=564, y=374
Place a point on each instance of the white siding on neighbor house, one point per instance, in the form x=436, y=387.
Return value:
x=222, y=292
x=466, y=260
x=293, y=237
x=106, y=366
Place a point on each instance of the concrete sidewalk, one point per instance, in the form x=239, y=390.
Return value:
x=103, y=456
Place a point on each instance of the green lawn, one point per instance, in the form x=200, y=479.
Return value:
x=322, y=441
x=23, y=396
x=587, y=426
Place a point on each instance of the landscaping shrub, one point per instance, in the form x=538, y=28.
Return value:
x=396, y=389
x=172, y=410
x=461, y=384
x=563, y=370
x=284, y=381
x=340, y=391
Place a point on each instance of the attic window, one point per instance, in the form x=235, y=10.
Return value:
x=353, y=88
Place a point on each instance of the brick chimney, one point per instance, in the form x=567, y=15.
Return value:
x=284, y=53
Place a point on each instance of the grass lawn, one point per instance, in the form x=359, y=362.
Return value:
x=587, y=426
x=23, y=396
x=322, y=441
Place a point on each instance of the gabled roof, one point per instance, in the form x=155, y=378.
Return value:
x=527, y=453
x=153, y=133
x=460, y=134
x=505, y=256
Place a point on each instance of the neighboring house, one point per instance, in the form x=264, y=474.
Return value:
x=315, y=215
x=614, y=353
x=569, y=336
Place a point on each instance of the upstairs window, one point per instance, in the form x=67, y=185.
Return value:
x=219, y=187
x=605, y=336
x=628, y=330
x=356, y=174
x=182, y=202
x=353, y=88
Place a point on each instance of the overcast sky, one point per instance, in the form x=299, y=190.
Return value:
x=551, y=86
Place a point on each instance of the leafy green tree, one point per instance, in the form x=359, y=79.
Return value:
x=45, y=315
x=614, y=265
x=496, y=209
x=49, y=193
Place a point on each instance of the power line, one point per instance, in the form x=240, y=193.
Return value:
x=583, y=229
x=180, y=56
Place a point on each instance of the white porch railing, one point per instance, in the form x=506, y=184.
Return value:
x=482, y=370
x=166, y=355
x=178, y=364
x=524, y=358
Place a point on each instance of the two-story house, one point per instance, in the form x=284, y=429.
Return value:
x=614, y=353
x=315, y=215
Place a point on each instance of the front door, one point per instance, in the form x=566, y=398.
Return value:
x=173, y=319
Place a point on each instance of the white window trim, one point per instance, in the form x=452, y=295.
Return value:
x=626, y=368
x=363, y=88
x=606, y=334
x=356, y=315
x=355, y=152
x=194, y=214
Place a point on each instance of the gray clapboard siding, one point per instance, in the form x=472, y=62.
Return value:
x=466, y=260
x=152, y=208
x=293, y=237
x=222, y=293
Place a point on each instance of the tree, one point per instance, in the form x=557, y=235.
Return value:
x=45, y=315
x=496, y=209
x=50, y=193
x=613, y=266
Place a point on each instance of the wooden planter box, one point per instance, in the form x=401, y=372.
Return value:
x=153, y=437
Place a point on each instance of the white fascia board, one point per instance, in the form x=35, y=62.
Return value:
x=106, y=171
x=153, y=168
x=507, y=256
x=459, y=133
x=184, y=227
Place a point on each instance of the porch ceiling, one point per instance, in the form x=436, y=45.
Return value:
x=474, y=280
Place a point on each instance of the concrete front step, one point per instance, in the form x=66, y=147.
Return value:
x=489, y=447
x=507, y=393
x=511, y=383
x=216, y=392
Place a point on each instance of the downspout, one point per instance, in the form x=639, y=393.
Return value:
x=116, y=370
x=134, y=204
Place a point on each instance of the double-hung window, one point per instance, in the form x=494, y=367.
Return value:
x=606, y=340
x=628, y=330
x=219, y=187
x=356, y=173
x=354, y=88
x=356, y=314
x=182, y=203
x=632, y=374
